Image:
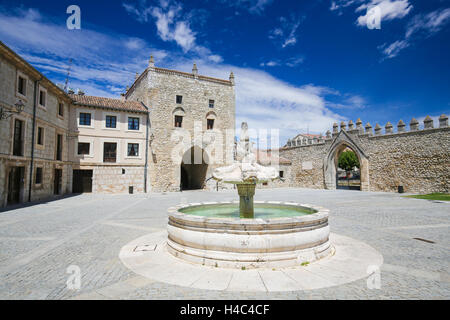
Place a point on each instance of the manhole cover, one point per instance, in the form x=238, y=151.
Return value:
x=145, y=247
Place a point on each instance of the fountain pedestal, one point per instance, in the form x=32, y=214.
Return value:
x=246, y=192
x=230, y=242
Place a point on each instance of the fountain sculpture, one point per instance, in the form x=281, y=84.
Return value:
x=245, y=174
x=254, y=234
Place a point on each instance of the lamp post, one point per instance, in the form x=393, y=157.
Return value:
x=19, y=106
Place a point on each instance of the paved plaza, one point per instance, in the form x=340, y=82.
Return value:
x=40, y=242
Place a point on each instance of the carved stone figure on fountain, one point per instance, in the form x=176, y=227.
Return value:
x=246, y=169
x=245, y=173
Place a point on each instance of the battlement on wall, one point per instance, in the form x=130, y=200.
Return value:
x=377, y=131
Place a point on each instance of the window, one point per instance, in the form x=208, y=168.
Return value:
x=133, y=149
x=38, y=179
x=281, y=174
x=59, y=146
x=109, y=152
x=178, y=121
x=133, y=123
x=61, y=109
x=22, y=86
x=85, y=119
x=40, y=136
x=83, y=148
x=211, y=103
x=179, y=99
x=209, y=124
x=18, y=138
x=42, y=97
x=111, y=121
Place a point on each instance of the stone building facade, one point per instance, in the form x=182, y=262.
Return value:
x=192, y=126
x=417, y=160
x=169, y=131
x=304, y=139
x=33, y=143
x=108, y=145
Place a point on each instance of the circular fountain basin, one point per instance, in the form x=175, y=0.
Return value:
x=282, y=234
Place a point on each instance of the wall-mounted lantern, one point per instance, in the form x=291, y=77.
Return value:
x=18, y=108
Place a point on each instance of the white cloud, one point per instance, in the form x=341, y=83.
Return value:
x=184, y=36
x=429, y=24
x=99, y=59
x=389, y=10
x=286, y=33
x=269, y=64
x=421, y=25
x=291, y=62
x=170, y=25
x=105, y=63
x=166, y=21
x=252, y=6
x=294, y=61
x=215, y=58
x=266, y=102
x=134, y=43
x=393, y=49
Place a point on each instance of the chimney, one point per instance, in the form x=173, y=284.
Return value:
x=195, y=70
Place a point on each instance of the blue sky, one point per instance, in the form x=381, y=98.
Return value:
x=299, y=65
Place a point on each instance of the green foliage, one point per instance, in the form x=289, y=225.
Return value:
x=347, y=160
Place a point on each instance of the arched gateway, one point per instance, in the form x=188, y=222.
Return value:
x=341, y=142
x=194, y=168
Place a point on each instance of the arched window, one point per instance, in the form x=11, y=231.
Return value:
x=178, y=114
x=210, y=120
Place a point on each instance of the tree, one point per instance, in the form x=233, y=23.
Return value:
x=348, y=160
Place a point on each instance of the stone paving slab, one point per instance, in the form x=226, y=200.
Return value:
x=101, y=225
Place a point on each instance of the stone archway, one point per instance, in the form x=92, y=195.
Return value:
x=193, y=169
x=342, y=141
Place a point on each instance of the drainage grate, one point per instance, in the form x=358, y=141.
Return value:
x=424, y=240
x=145, y=247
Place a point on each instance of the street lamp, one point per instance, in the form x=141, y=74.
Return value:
x=19, y=106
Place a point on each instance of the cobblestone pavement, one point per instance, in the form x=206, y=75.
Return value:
x=38, y=243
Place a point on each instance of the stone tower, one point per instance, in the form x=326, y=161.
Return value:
x=189, y=117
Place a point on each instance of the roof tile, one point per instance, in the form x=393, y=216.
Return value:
x=100, y=102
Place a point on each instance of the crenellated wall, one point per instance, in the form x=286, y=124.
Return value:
x=417, y=159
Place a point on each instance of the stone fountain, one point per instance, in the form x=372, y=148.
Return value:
x=245, y=174
x=251, y=234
